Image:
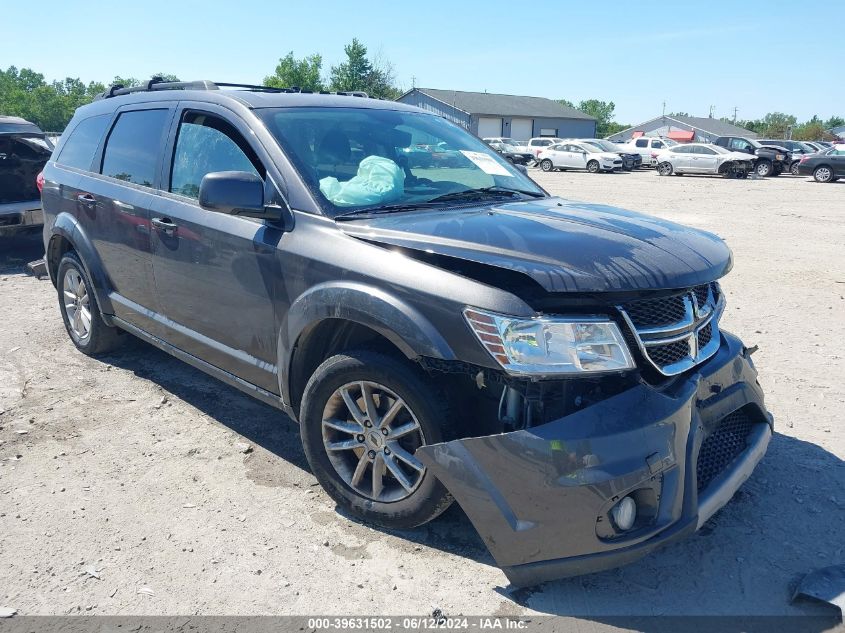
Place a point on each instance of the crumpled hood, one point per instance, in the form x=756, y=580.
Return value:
x=564, y=246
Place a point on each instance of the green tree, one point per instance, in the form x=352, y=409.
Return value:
x=358, y=72
x=25, y=93
x=777, y=124
x=565, y=102
x=602, y=111
x=300, y=73
x=834, y=121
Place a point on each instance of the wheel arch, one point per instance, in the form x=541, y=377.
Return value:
x=334, y=317
x=67, y=235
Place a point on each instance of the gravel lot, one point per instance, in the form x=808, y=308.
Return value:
x=125, y=488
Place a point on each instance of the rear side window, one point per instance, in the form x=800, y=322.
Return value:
x=80, y=146
x=207, y=144
x=133, y=147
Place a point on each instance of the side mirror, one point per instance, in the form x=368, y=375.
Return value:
x=235, y=193
x=522, y=168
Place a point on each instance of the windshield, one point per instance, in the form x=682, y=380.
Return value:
x=362, y=159
x=588, y=148
x=605, y=145
x=669, y=142
x=718, y=149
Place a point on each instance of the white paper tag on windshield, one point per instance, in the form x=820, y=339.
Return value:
x=486, y=163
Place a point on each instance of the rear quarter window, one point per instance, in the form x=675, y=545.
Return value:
x=79, y=148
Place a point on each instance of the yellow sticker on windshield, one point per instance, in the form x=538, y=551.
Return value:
x=486, y=163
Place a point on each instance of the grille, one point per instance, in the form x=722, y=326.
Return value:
x=664, y=355
x=657, y=321
x=701, y=293
x=656, y=312
x=722, y=447
x=704, y=335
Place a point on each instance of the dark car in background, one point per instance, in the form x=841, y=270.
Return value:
x=827, y=166
x=511, y=153
x=439, y=334
x=630, y=160
x=772, y=160
x=24, y=150
x=797, y=150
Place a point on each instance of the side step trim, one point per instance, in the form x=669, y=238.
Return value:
x=221, y=374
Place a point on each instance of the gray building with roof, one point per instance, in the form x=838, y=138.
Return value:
x=490, y=115
x=683, y=128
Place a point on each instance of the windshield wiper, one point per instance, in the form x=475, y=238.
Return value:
x=388, y=208
x=482, y=192
x=465, y=194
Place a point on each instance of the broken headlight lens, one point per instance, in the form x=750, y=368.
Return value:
x=551, y=345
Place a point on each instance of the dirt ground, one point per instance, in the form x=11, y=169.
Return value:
x=125, y=488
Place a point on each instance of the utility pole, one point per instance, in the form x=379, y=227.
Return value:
x=711, y=111
x=664, y=108
x=735, y=109
x=413, y=81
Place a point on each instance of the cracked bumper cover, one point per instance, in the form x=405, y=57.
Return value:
x=540, y=497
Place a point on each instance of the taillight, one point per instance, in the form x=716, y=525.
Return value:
x=654, y=154
x=39, y=181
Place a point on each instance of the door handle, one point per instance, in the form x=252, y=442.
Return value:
x=87, y=199
x=165, y=225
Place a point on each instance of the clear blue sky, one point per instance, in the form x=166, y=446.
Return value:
x=690, y=54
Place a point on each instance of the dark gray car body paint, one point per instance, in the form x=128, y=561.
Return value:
x=525, y=499
x=535, y=495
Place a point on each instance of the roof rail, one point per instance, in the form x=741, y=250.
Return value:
x=158, y=83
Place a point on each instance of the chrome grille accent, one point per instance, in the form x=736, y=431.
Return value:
x=678, y=331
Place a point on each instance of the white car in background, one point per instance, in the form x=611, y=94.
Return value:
x=572, y=155
x=647, y=147
x=541, y=143
x=703, y=158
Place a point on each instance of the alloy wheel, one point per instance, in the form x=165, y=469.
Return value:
x=823, y=174
x=77, y=304
x=370, y=436
x=546, y=165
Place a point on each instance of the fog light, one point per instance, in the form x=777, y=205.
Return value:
x=624, y=513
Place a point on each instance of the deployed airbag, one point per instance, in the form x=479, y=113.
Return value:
x=378, y=180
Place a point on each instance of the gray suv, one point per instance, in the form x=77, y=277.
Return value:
x=441, y=330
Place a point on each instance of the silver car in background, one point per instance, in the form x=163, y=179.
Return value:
x=703, y=158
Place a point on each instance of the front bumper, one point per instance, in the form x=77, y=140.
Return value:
x=20, y=216
x=540, y=498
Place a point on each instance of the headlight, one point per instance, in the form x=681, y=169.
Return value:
x=551, y=345
x=779, y=157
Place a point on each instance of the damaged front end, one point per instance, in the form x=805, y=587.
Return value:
x=598, y=473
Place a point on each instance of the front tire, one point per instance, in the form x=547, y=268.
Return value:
x=80, y=311
x=363, y=416
x=793, y=168
x=546, y=165
x=823, y=174
x=665, y=169
x=764, y=168
x=593, y=166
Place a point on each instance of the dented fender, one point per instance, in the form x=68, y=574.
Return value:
x=398, y=322
x=540, y=498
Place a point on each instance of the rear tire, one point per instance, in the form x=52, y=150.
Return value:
x=823, y=174
x=349, y=474
x=665, y=169
x=546, y=165
x=593, y=166
x=793, y=168
x=80, y=310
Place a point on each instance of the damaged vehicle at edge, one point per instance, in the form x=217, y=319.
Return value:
x=556, y=367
